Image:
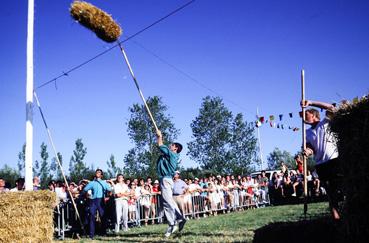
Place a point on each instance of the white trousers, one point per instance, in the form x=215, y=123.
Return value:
x=121, y=209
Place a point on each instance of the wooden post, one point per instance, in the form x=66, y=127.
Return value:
x=304, y=141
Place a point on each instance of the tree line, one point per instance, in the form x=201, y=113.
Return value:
x=223, y=143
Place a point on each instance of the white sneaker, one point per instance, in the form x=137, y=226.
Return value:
x=171, y=230
x=294, y=195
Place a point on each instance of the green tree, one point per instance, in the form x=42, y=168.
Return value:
x=277, y=156
x=113, y=169
x=141, y=160
x=77, y=167
x=44, y=173
x=9, y=174
x=21, y=159
x=192, y=172
x=55, y=167
x=211, y=131
x=243, y=146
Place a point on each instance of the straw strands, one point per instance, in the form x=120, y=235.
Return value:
x=96, y=20
x=351, y=124
x=27, y=216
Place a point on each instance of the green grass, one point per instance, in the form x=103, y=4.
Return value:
x=234, y=227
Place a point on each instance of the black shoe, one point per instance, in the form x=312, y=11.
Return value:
x=182, y=224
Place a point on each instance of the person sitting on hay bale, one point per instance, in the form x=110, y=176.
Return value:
x=321, y=143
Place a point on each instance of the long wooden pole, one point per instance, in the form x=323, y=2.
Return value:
x=304, y=141
x=58, y=162
x=29, y=100
x=137, y=86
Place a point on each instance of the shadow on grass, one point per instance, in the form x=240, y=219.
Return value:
x=159, y=237
x=313, y=230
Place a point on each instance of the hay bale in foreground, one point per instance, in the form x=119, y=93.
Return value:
x=351, y=124
x=27, y=216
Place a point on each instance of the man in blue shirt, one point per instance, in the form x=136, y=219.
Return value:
x=99, y=189
x=166, y=167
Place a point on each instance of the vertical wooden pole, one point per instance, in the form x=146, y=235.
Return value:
x=304, y=141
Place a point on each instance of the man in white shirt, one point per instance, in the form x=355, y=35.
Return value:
x=321, y=143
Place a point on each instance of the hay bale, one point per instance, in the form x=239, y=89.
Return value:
x=96, y=20
x=27, y=216
x=351, y=124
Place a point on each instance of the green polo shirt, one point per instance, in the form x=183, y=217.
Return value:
x=167, y=162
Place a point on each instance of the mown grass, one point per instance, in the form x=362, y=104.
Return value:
x=240, y=226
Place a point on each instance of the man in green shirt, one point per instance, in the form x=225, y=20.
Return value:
x=166, y=167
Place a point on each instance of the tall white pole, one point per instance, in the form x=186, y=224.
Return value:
x=29, y=99
x=259, y=141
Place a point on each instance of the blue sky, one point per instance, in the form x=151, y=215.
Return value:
x=248, y=52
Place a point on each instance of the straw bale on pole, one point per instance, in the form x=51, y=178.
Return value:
x=96, y=20
x=27, y=216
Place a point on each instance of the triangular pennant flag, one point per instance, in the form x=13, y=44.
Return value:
x=280, y=117
x=271, y=117
x=271, y=124
x=282, y=126
x=261, y=119
x=266, y=121
x=289, y=127
x=258, y=124
x=278, y=125
x=290, y=115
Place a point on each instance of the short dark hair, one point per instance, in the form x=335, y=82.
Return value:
x=315, y=112
x=179, y=147
x=102, y=173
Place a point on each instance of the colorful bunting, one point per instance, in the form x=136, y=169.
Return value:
x=262, y=119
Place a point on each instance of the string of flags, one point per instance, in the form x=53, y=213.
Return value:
x=275, y=122
x=278, y=121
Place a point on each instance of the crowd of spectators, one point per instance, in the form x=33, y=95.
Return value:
x=286, y=183
x=207, y=195
x=136, y=201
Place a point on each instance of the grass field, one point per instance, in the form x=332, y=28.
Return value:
x=270, y=224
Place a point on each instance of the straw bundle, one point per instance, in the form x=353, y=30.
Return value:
x=26, y=216
x=96, y=20
x=351, y=124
